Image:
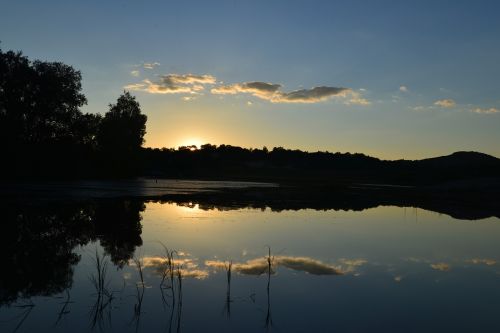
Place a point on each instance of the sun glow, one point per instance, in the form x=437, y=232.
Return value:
x=191, y=142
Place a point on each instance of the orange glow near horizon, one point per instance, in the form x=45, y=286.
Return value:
x=190, y=141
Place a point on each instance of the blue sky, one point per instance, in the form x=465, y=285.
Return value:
x=400, y=79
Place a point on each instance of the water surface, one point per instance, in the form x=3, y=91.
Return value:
x=381, y=269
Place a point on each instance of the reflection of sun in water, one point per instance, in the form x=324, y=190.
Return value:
x=189, y=209
x=191, y=142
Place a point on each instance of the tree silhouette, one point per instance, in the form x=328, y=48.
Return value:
x=43, y=133
x=39, y=101
x=123, y=126
x=121, y=135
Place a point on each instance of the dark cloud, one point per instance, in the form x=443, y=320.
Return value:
x=316, y=94
x=271, y=92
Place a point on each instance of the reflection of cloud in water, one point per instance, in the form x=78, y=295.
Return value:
x=251, y=267
x=187, y=266
x=413, y=259
x=312, y=266
x=484, y=261
x=353, y=262
x=194, y=273
x=258, y=266
x=441, y=266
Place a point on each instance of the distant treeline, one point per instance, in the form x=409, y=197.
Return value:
x=295, y=166
x=44, y=135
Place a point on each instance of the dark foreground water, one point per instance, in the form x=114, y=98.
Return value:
x=76, y=267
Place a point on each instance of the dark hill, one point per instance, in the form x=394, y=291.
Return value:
x=458, y=166
x=462, y=158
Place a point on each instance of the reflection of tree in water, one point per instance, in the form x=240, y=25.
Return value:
x=38, y=241
x=118, y=227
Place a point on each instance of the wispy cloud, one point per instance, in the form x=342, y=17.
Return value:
x=135, y=73
x=173, y=84
x=150, y=65
x=450, y=103
x=486, y=111
x=353, y=262
x=355, y=98
x=445, y=103
x=189, y=78
x=403, y=88
x=441, y=266
x=485, y=261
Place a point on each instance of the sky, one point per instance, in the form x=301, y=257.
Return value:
x=391, y=79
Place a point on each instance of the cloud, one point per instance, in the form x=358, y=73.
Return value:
x=272, y=92
x=261, y=90
x=135, y=73
x=136, y=86
x=403, y=88
x=189, y=79
x=487, y=262
x=150, y=65
x=486, y=111
x=174, y=84
x=308, y=265
x=257, y=266
x=356, y=99
x=314, y=95
x=445, y=103
x=187, y=266
x=353, y=262
x=443, y=267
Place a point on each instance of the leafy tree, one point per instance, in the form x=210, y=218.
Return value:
x=86, y=128
x=39, y=101
x=123, y=126
x=43, y=133
x=120, y=137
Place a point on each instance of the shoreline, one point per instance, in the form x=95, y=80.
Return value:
x=462, y=201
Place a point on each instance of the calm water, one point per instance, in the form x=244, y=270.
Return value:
x=386, y=269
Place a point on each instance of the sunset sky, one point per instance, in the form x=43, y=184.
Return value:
x=392, y=79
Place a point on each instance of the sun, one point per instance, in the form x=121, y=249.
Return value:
x=191, y=142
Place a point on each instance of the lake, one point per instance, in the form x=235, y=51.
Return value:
x=116, y=265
